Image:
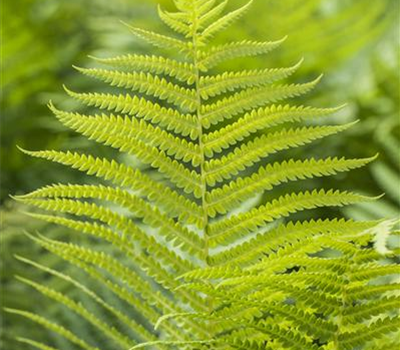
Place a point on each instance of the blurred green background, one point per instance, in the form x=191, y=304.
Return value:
x=355, y=43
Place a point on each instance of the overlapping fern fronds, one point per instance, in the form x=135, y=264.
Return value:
x=210, y=136
x=314, y=288
x=326, y=33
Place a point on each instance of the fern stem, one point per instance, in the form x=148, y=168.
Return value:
x=336, y=339
x=203, y=173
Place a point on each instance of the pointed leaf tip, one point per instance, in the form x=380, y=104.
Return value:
x=319, y=78
x=124, y=23
x=14, y=197
x=374, y=157
x=79, y=69
x=19, y=257
x=68, y=91
x=283, y=39
x=23, y=150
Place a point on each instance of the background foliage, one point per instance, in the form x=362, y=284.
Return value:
x=356, y=46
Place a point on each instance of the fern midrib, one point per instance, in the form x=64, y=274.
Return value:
x=345, y=302
x=203, y=181
x=203, y=175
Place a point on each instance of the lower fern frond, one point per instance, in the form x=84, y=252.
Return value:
x=227, y=231
x=53, y=327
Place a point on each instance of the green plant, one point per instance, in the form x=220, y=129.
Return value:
x=28, y=73
x=325, y=33
x=309, y=290
x=385, y=174
x=381, y=105
x=209, y=136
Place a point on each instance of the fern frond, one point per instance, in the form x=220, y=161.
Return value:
x=287, y=338
x=190, y=252
x=121, y=174
x=293, y=232
x=176, y=172
x=169, y=258
x=211, y=86
x=146, y=83
x=176, y=21
x=110, y=128
x=35, y=344
x=230, y=196
x=182, y=71
x=134, y=280
x=186, y=6
x=387, y=344
x=228, y=230
x=360, y=292
x=257, y=120
x=121, y=291
x=146, y=309
x=184, y=124
x=175, y=233
x=321, y=287
x=209, y=13
x=222, y=23
x=374, y=331
x=248, y=154
x=141, y=331
x=169, y=343
x=51, y=326
x=159, y=40
x=363, y=312
x=120, y=339
x=375, y=270
x=219, y=54
x=249, y=99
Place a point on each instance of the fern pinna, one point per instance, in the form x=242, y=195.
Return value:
x=197, y=258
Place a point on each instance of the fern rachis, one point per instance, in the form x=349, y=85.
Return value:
x=198, y=263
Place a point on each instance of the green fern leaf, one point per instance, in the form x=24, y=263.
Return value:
x=229, y=196
x=210, y=13
x=176, y=21
x=146, y=83
x=257, y=120
x=199, y=249
x=159, y=40
x=249, y=99
x=223, y=22
x=244, y=48
x=35, y=344
x=101, y=127
x=211, y=86
x=141, y=108
x=182, y=71
x=53, y=327
x=248, y=154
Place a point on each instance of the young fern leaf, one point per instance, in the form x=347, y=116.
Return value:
x=159, y=40
x=189, y=254
x=176, y=21
x=210, y=13
x=244, y=48
x=222, y=23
